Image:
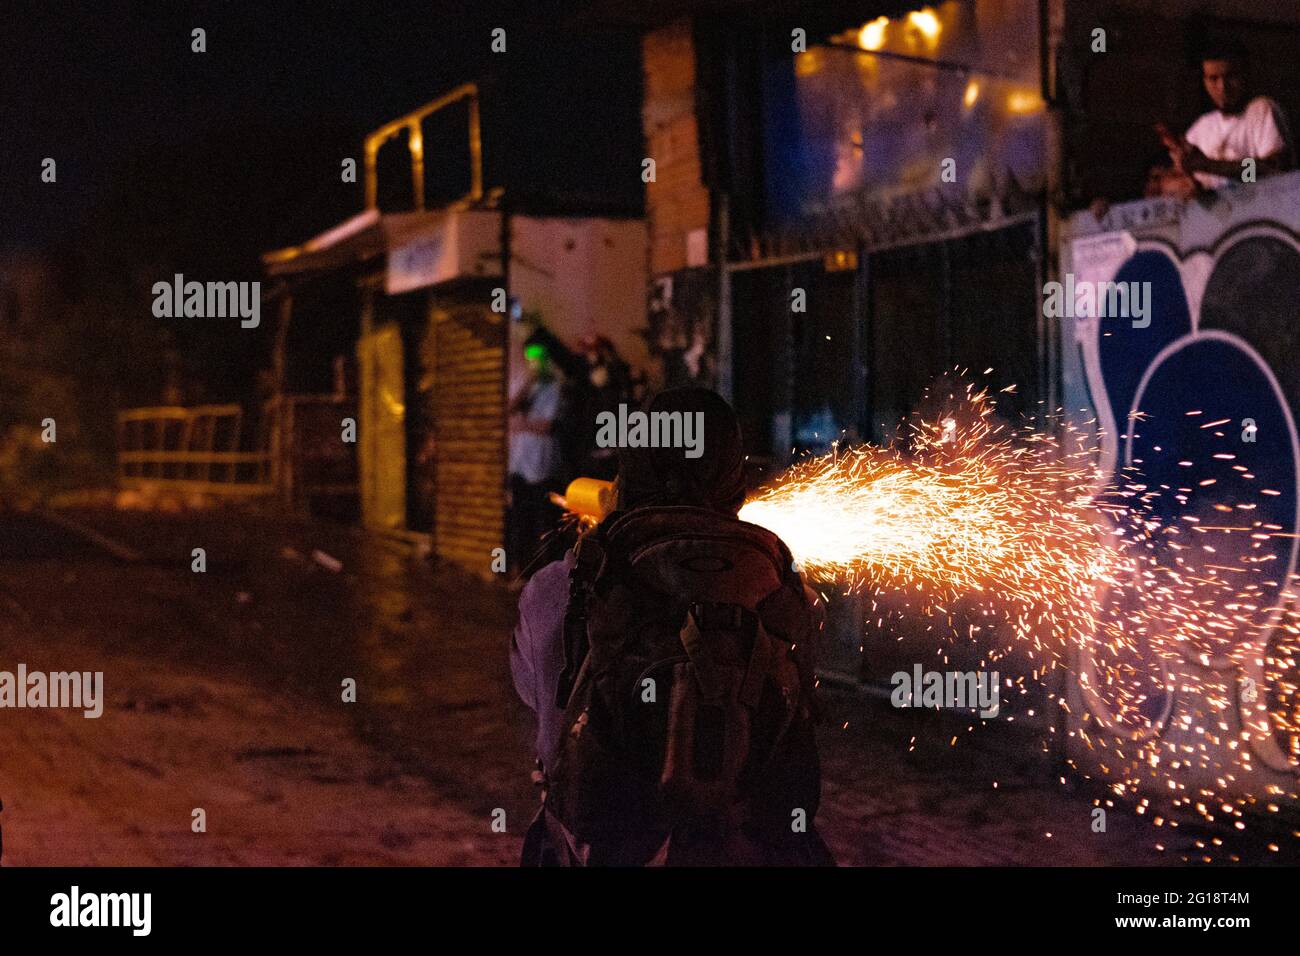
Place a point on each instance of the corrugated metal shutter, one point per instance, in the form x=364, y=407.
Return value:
x=382, y=432
x=470, y=433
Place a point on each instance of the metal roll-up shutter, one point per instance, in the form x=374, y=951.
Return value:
x=470, y=433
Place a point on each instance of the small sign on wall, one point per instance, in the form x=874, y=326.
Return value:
x=697, y=248
x=418, y=264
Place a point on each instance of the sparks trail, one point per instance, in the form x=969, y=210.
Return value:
x=1013, y=524
x=976, y=510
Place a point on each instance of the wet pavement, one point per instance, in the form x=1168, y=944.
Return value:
x=224, y=693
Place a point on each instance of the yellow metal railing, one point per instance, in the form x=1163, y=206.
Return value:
x=192, y=449
x=415, y=145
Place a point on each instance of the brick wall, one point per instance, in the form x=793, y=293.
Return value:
x=676, y=202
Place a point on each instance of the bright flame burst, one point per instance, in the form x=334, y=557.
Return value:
x=1006, y=532
x=975, y=510
x=976, y=521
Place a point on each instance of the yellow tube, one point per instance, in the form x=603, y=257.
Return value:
x=589, y=497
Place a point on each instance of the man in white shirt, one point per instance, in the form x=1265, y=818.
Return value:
x=535, y=463
x=1240, y=127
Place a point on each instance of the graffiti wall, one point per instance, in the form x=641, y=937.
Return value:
x=1195, y=396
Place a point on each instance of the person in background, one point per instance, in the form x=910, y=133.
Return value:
x=1241, y=126
x=609, y=383
x=571, y=430
x=535, y=459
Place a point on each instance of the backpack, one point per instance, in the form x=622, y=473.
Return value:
x=687, y=697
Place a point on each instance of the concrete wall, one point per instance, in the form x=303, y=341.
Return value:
x=585, y=276
x=1221, y=345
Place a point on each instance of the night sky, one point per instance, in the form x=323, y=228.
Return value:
x=174, y=161
x=252, y=131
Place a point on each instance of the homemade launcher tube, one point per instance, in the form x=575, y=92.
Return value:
x=589, y=497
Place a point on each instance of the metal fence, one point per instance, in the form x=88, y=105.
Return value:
x=192, y=449
x=312, y=467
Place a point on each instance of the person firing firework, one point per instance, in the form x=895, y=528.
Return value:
x=1010, y=536
x=668, y=658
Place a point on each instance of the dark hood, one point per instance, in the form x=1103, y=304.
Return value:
x=665, y=476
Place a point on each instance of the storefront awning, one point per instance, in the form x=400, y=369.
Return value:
x=420, y=248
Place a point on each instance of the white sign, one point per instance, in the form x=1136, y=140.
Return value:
x=697, y=248
x=1096, y=259
x=428, y=260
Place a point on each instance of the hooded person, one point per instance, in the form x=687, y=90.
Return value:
x=668, y=659
x=666, y=476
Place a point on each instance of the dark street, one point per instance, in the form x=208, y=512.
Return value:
x=223, y=692
x=441, y=444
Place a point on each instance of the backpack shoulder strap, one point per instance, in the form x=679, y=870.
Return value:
x=712, y=689
x=588, y=560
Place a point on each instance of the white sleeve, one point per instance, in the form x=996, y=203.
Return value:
x=1265, y=134
x=1196, y=132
